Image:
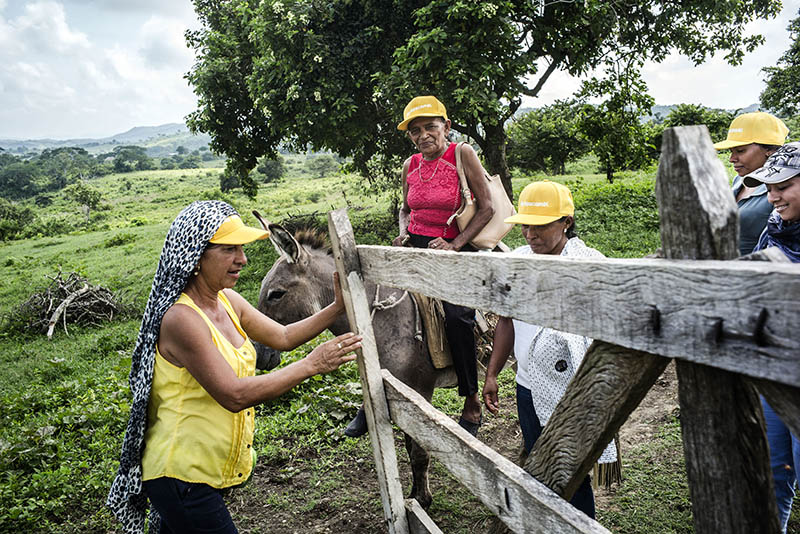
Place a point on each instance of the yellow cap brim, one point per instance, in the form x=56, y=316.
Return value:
x=233, y=231
x=404, y=125
x=722, y=145
x=532, y=220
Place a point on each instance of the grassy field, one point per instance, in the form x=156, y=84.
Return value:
x=64, y=402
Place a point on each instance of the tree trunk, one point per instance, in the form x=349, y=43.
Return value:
x=495, y=153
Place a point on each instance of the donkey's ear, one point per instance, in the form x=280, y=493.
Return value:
x=262, y=221
x=285, y=243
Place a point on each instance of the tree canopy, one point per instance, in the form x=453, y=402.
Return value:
x=335, y=75
x=782, y=93
x=545, y=139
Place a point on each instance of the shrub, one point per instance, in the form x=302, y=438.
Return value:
x=13, y=218
x=619, y=219
x=119, y=239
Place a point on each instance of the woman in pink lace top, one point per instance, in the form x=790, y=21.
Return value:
x=430, y=196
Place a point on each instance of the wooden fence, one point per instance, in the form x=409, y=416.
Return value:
x=733, y=328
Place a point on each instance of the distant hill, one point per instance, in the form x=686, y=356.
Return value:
x=158, y=140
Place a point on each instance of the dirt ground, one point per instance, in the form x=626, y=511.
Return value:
x=289, y=499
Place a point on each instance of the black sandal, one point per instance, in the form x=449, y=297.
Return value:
x=469, y=426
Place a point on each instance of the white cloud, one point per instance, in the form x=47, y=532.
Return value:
x=65, y=83
x=163, y=43
x=44, y=28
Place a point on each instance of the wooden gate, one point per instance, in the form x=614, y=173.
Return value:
x=733, y=328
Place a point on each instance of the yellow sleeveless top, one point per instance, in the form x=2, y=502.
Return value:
x=190, y=436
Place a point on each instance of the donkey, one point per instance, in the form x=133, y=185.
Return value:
x=300, y=283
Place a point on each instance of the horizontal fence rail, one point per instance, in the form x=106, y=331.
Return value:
x=673, y=308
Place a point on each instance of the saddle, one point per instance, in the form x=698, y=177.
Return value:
x=431, y=313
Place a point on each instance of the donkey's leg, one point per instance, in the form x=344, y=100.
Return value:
x=420, y=460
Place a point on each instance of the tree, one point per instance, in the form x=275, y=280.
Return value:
x=19, y=180
x=782, y=94
x=545, y=139
x=66, y=165
x=272, y=169
x=321, y=164
x=617, y=136
x=85, y=195
x=336, y=75
x=130, y=158
x=190, y=162
x=716, y=120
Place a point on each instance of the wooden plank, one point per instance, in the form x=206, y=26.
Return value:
x=607, y=387
x=380, y=426
x=727, y=459
x=521, y=502
x=677, y=309
x=419, y=522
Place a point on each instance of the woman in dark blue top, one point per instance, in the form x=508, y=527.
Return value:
x=780, y=175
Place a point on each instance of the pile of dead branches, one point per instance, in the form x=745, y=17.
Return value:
x=70, y=300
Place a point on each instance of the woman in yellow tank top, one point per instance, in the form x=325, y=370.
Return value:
x=193, y=380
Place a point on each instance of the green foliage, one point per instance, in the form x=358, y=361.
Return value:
x=782, y=93
x=85, y=195
x=191, y=161
x=716, y=120
x=619, y=219
x=13, y=218
x=272, y=169
x=322, y=164
x=131, y=158
x=617, y=136
x=337, y=75
x=19, y=180
x=545, y=139
x=55, y=449
x=121, y=238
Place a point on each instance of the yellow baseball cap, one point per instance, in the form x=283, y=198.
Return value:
x=543, y=202
x=757, y=127
x=422, y=106
x=233, y=231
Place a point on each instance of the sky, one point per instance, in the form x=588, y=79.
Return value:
x=95, y=68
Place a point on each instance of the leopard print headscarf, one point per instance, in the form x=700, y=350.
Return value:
x=186, y=241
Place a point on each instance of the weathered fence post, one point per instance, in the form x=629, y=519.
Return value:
x=727, y=460
x=380, y=425
x=608, y=386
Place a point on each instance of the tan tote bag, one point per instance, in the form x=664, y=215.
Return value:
x=495, y=229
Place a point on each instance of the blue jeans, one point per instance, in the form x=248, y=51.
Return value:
x=784, y=458
x=583, y=499
x=189, y=508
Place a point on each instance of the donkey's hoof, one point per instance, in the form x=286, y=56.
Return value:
x=358, y=426
x=424, y=501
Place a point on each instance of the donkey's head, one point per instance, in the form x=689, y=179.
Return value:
x=299, y=284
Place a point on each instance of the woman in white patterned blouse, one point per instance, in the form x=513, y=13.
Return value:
x=546, y=358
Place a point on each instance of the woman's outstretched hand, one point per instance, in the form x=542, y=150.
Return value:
x=334, y=353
